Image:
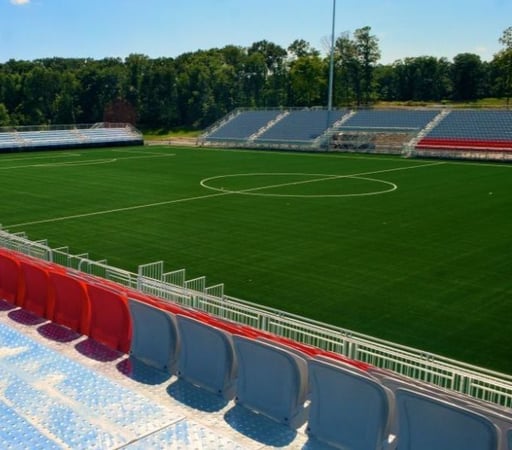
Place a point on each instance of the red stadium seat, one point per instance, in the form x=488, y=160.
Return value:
x=70, y=306
x=10, y=278
x=35, y=293
x=110, y=317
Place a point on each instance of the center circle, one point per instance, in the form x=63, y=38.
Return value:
x=218, y=183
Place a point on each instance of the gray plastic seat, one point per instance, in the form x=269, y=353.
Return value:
x=426, y=423
x=155, y=339
x=349, y=408
x=207, y=357
x=271, y=381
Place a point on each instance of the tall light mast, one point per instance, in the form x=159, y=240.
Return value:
x=331, y=64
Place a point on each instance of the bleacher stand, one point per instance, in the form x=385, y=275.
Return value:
x=430, y=132
x=72, y=406
x=301, y=126
x=101, y=134
x=481, y=133
x=243, y=125
x=303, y=129
x=382, y=130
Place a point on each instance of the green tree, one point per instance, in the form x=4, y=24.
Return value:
x=368, y=53
x=467, y=76
x=4, y=116
x=504, y=60
x=307, y=80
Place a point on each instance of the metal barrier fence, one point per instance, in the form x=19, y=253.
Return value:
x=173, y=286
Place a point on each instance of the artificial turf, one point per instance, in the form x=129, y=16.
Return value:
x=417, y=252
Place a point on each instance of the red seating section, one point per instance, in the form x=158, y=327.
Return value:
x=465, y=144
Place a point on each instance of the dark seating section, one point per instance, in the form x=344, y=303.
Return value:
x=346, y=404
x=471, y=130
x=389, y=120
x=301, y=126
x=243, y=125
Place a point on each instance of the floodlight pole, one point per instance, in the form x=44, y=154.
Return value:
x=331, y=64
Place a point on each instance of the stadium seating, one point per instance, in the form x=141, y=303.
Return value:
x=271, y=381
x=471, y=130
x=346, y=404
x=389, y=120
x=301, y=126
x=206, y=357
x=70, y=137
x=425, y=423
x=243, y=125
x=349, y=408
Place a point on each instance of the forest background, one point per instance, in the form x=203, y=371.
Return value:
x=195, y=89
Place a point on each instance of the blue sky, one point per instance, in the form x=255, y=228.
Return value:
x=31, y=29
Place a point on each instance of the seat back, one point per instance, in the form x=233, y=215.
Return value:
x=110, y=317
x=207, y=357
x=35, y=294
x=10, y=278
x=349, y=409
x=155, y=339
x=271, y=380
x=70, y=303
x=427, y=423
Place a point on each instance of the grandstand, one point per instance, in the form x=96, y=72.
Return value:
x=478, y=133
x=298, y=129
x=98, y=357
x=424, y=132
x=68, y=136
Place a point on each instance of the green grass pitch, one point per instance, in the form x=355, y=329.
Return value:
x=417, y=252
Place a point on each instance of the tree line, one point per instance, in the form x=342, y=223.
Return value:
x=197, y=88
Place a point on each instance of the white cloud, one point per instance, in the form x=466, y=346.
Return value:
x=20, y=2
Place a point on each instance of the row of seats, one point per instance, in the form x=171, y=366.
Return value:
x=464, y=144
x=346, y=404
x=243, y=125
x=71, y=137
x=88, y=307
x=390, y=120
x=304, y=125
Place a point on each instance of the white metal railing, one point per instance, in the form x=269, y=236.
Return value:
x=173, y=286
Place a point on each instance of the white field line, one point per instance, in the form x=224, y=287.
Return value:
x=116, y=210
x=200, y=197
x=314, y=180
x=86, y=162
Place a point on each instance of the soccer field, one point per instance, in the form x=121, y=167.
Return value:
x=418, y=252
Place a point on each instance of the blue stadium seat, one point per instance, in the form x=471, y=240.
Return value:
x=206, y=357
x=155, y=339
x=271, y=381
x=427, y=423
x=349, y=409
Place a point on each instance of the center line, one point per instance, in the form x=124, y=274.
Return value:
x=200, y=197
